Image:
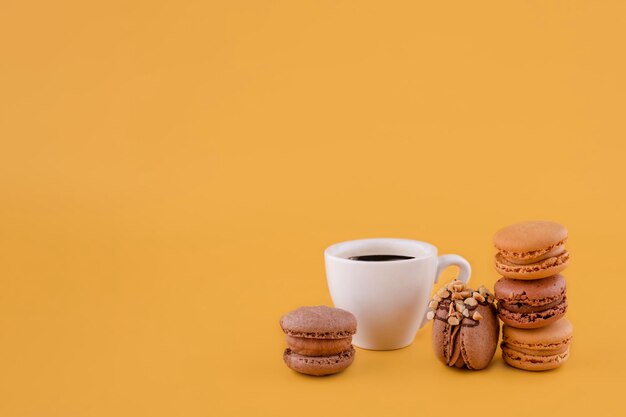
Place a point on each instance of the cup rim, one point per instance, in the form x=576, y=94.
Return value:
x=331, y=251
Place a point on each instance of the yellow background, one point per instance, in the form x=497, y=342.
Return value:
x=171, y=172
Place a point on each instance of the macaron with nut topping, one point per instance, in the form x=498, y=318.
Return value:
x=465, y=326
x=531, y=250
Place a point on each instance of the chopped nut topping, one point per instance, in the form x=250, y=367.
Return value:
x=461, y=302
x=478, y=297
x=453, y=321
x=471, y=302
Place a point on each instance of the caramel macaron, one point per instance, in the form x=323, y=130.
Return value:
x=531, y=250
x=465, y=328
x=319, y=339
x=537, y=349
x=531, y=304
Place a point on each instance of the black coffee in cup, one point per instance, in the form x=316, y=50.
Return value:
x=380, y=258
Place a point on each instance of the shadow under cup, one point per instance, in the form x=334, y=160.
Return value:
x=388, y=298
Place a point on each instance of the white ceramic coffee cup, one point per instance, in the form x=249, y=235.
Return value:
x=389, y=299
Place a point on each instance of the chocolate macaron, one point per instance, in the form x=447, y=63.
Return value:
x=537, y=349
x=531, y=304
x=465, y=328
x=531, y=250
x=319, y=339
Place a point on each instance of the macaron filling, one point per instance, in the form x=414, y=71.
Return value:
x=534, y=255
x=529, y=307
x=510, y=267
x=321, y=360
x=320, y=335
x=556, y=347
x=318, y=347
x=529, y=318
x=533, y=362
x=539, y=352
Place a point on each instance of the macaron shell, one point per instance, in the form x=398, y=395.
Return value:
x=530, y=236
x=527, y=362
x=532, y=320
x=530, y=292
x=478, y=344
x=318, y=347
x=542, y=269
x=319, y=365
x=545, y=338
x=319, y=322
x=442, y=340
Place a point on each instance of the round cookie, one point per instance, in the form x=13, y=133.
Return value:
x=531, y=304
x=465, y=329
x=531, y=250
x=537, y=349
x=319, y=365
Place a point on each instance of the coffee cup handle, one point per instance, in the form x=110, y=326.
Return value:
x=444, y=261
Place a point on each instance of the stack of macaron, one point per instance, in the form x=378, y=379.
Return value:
x=319, y=340
x=531, y=294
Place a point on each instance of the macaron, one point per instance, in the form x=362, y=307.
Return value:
x=531, y=304
x=537, y=349
x=465, y=328
x=531, y=250
x=319, y=339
